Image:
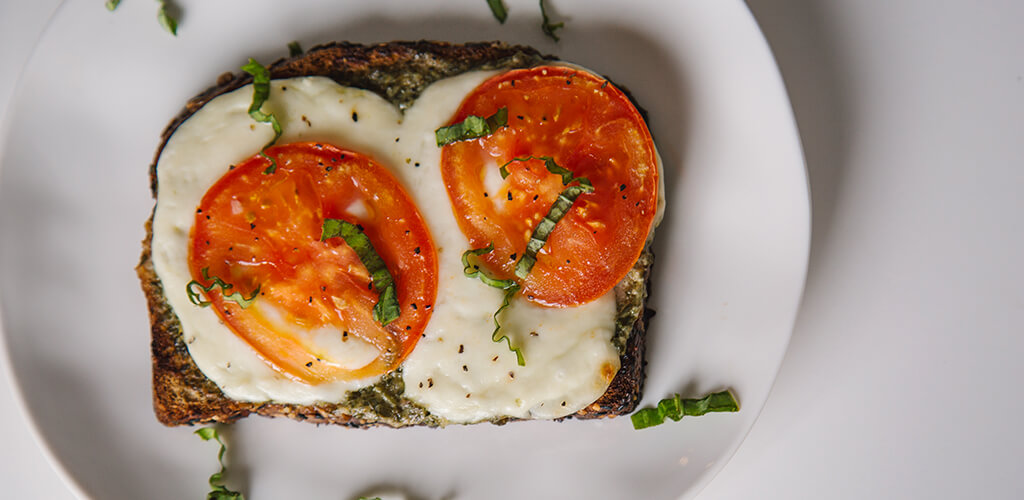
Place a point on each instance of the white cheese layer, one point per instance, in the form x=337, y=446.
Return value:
x=456, y=371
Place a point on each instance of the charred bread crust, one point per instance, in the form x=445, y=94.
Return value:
x=399, y=71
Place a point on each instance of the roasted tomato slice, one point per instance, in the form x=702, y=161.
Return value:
x=587, y=126
x=312, y=318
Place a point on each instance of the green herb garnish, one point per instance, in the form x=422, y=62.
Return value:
x=169, y=23
x=217, y=489
x=498, y=9
x=546, y=26
x=112, y=4
x=472, y=127
x=387, y=308
x=510, y=287
x=260, y=94
x=675, y=408
x=196, y=297
x=294, y=49
x=558, y=209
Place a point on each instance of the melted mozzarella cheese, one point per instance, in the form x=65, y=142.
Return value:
x=456, y=371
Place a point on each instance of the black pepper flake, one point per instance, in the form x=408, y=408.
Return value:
x=543, y=118
x=534, y=334
x=511, y=375
x=622, y=187
x=513, y=83
x=494, y=358
x=359, y=227
x=369, y=286
x=227, y=312
x=413, y=306
x=623, y=197
x=637, y=204
x=207, y=217
x=430, y=382
x=417, y=250
x=468, y=394
x=256, y=238
x=207, y=242
x=231, y=167
x=535, y=197
x=344, y=334
x=416, y=164
x=406, y=231
x=427, y=306
x=485, y=195
x=283, y=88
x=231, y=248
x=252, y=225
x=343, y=157
x=529, y=297
x=563, y=403
x=396, y=139
x=309, y=364
x=465, y=368
x=323, y=288
x=199, y=210
x=355, y=116
x=509, y=195
x=320, y=163
x=310, y=299
x=605, y=84
x=567, y=261
x=512, y=257
x=407, y=327
x=520, y=117
x=329, y=169
x=421, y=385
x=462, y=348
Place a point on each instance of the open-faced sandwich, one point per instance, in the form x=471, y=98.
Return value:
x=412, y=233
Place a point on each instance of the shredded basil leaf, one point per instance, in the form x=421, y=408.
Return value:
x=196, y=297
x=546, y=26
x=510, y=287
x=217, y=489
x=676, y=408
x=549, y=163
x=558, y=209
x=294, y=49
x=260, y=94
x=169, y=23
x=472, y=127
x=112, y=4
x=387, y=308
x=498, y=9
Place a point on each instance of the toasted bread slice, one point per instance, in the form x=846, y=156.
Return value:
x=398, y=71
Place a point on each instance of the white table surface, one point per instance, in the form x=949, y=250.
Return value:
x=901, y=380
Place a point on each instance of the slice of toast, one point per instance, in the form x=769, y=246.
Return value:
x=398, y=71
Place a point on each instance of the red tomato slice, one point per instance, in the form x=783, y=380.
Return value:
x=589, y=127
x=263, y=230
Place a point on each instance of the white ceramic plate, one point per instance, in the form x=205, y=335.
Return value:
x=74, y=194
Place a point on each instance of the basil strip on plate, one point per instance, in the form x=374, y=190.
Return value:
x=546, y=25
x=260, y=94
x=558, y=209
x=676, y=408
x=471, y=128
x=510, y=287
x=166, y=20
x=294, y=49
x=112, y=4
x=387, y=309
x=218, y=490
x=196, y=298
x=498, y=9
